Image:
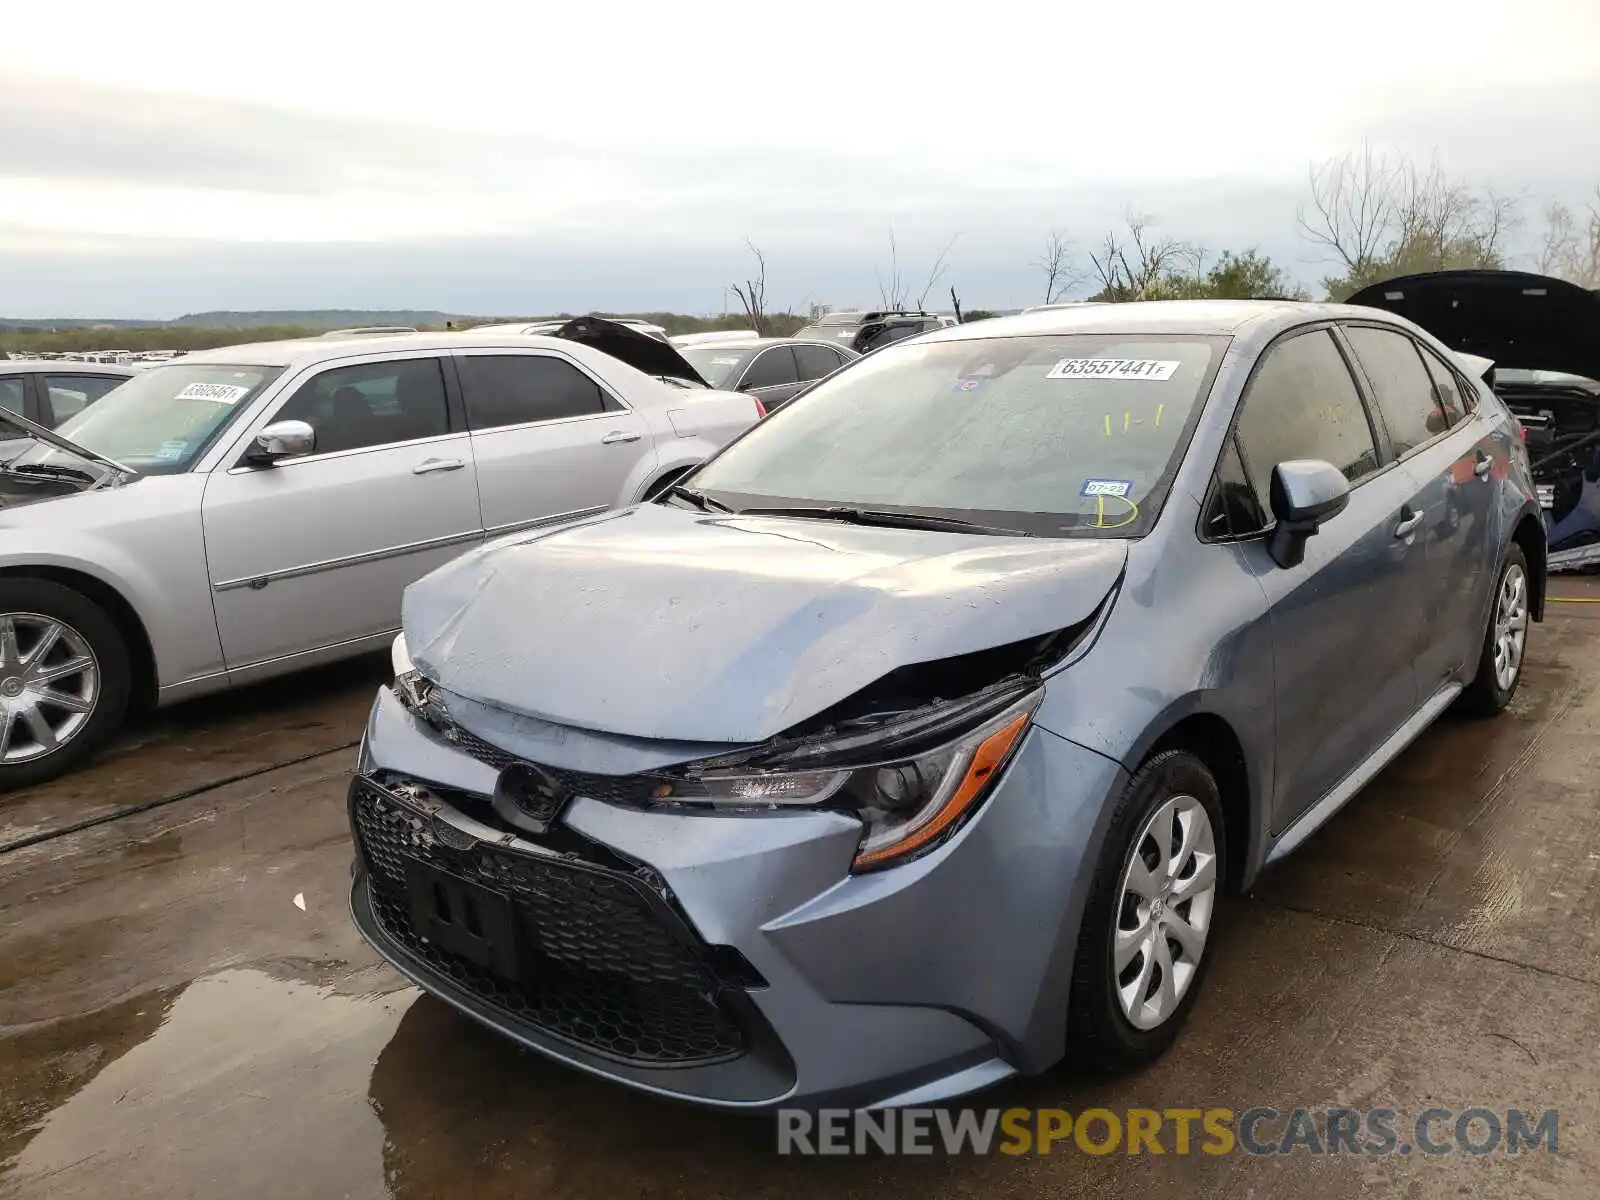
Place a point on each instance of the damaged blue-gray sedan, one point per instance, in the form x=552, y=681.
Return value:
x=908, y=743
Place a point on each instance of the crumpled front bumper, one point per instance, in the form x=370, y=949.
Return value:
x=909, y=985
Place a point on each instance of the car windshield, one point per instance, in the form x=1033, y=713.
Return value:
x=720, y=365
x=1056, y=436
x=161, y=420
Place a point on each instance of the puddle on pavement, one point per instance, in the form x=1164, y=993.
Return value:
x=238, y=1084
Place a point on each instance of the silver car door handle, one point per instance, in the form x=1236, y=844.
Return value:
x=429, y=466
x=1408, y=525
x=1482, y=466
x=620, y=435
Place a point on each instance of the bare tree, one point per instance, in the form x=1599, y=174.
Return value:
x=1572, y=243
x=891, y=292
x=1378, y=215
x=941, y=264
x=1060, y=275
x=894, y=292
x=1138, y=265
x=752, y=293
x=1352, y=208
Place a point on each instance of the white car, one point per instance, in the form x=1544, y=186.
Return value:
x=245, y=512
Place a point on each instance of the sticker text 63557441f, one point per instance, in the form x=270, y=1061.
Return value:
x=217, y=393
x=1113, y=368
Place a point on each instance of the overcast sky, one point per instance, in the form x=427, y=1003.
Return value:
x=520, y=158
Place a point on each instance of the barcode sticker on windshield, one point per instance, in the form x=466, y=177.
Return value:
x=172, y=451
x=724, y=362
x=1113, y=368
x=217, y=393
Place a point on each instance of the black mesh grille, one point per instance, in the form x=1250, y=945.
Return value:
x=609, y=789
x=609, y=972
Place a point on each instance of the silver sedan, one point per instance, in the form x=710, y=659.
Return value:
x=251, y=511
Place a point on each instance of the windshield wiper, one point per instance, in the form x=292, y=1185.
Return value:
x=53, y=470
x=699, y=499
x=885, y=518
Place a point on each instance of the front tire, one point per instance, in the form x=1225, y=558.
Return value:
x=1142, y=956
x=1504, y=642
x=65, y=678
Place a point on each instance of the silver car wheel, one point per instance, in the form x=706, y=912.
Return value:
x=1510, y=626
x=1169, y=888
x=49, y=684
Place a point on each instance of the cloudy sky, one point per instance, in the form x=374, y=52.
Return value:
x=169, y=157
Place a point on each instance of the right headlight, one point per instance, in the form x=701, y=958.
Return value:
x=907, y=805
x=400, y=657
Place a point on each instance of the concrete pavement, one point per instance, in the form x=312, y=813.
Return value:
x=173, y=1024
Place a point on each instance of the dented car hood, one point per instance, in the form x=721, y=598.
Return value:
x=657, y=622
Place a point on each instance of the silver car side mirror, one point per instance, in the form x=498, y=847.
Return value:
x=283, y=439
x=1306, y=492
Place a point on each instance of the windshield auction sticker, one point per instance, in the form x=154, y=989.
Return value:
x=217, y=393
x=1113, y=368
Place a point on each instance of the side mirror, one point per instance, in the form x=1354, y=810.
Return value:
x=1306, y=492
x=282, y=439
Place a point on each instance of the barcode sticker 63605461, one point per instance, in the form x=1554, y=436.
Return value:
x=1113, y=368
x=217, y=393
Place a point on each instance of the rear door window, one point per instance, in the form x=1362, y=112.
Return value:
x=775, y=368
x=1400, y=384
x=1447, y=388
x=516, y=389
x=1303, y=403
x=69, y=395
x=815, y=361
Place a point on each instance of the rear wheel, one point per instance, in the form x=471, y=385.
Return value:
x=1504, y=642
x=1142, y=947
x=64, y=680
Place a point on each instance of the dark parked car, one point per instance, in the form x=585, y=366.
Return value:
x=1543, y=336
x=909, y=743
x=771, y=369
x=865, y=332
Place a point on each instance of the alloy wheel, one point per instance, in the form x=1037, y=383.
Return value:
x=1169, y=889
x=49, y=685
x=1510, y=626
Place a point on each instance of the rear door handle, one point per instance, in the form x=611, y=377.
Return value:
x=620, y=435
x=1482, y=467
x=429, y=466
x=1408, y=522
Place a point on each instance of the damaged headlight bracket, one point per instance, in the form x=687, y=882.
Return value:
x=908, y=803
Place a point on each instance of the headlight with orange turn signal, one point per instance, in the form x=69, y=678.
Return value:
x=907, y=806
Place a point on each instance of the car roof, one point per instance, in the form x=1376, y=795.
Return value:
x=298, y=352
x=1205, y=318
x=753, y=342
x=64, y=366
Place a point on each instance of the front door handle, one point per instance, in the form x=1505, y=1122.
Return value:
x=620, y=435
x=1408, y=522
x=430, y=465
x=1482, y=467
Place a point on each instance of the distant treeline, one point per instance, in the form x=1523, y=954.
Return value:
x=174, y=336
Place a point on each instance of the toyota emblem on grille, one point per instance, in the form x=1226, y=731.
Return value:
x=534, y=794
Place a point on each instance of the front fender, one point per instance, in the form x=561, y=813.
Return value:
x=147, y=543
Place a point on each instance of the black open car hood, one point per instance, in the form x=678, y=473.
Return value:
x=1518, y=319
x=638, y=350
